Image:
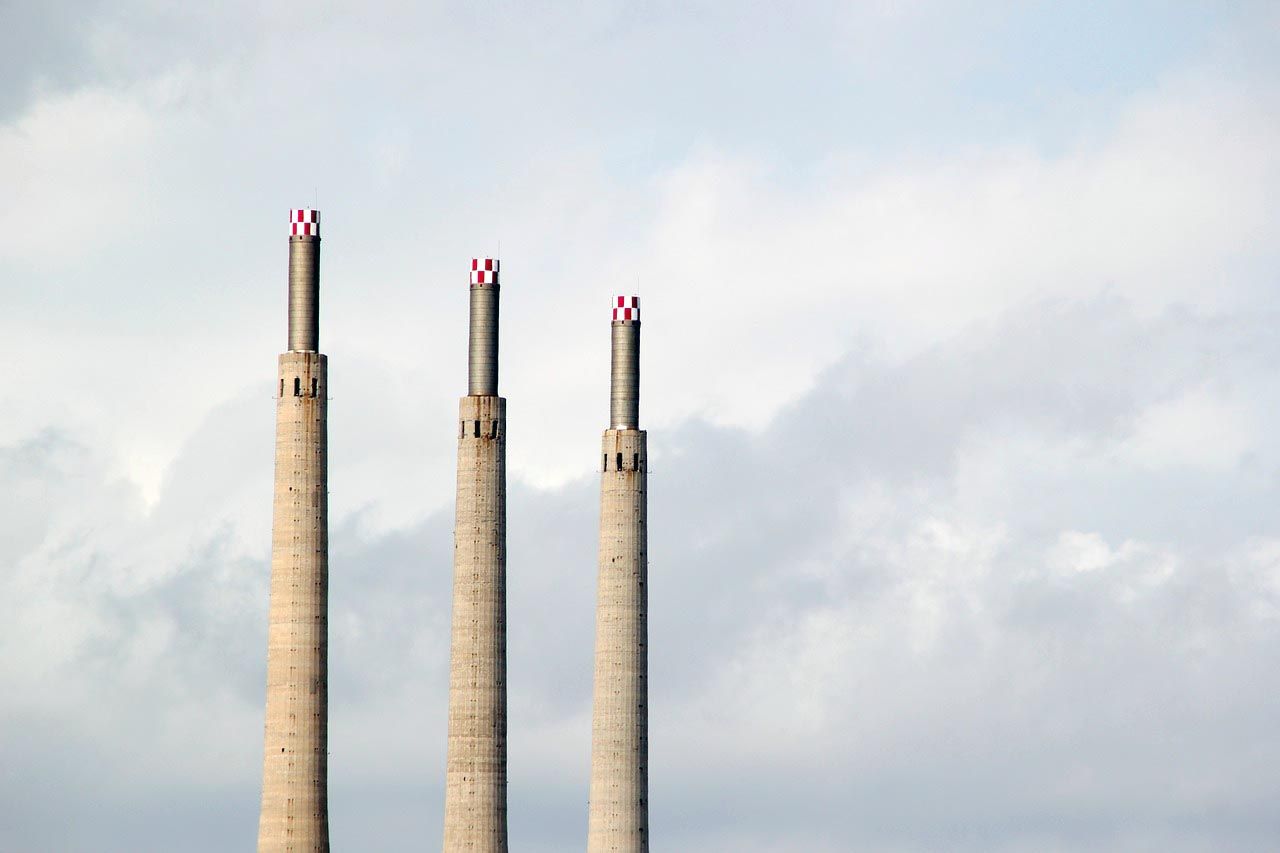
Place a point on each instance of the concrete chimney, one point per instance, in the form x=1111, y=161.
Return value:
x=618, y=811
x=295, y=811
x=475, y=813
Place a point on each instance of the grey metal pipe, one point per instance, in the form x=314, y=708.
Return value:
x=304, y=293
x=624, y=386
x=482, y=357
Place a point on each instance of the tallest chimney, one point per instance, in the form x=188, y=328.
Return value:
x=295, y=810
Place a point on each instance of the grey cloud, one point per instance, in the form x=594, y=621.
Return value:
x=924, y=676
x=939, y=600
x=45, y=47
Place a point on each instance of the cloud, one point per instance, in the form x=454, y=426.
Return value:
x=962, y=490
x=758, y=263
x=852, y=644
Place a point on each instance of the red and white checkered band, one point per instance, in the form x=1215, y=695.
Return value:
x=626, y=308
x=304, y=222
x=484, y=270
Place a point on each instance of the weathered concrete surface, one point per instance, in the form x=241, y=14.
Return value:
x=475, y=815
x=295, y=814
x=618, y=817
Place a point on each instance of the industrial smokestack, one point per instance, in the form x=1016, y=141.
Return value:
x=475, y=812
x=618, y=811
x=295, y=810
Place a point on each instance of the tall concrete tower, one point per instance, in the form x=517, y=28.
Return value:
x=295, y=804
x=619, y=804
x=475, y=810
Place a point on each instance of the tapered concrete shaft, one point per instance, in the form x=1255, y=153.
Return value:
x=476, y=773
x=618, y=818
x=295, y=813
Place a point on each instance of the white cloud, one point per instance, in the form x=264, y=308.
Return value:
x=962, y=497
x=1198, y=429
x=71, y=166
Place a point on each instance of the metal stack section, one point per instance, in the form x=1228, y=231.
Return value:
x=304, y=280
x=482, y=357
x=624, y=387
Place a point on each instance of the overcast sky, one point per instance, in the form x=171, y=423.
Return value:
x=959, y=372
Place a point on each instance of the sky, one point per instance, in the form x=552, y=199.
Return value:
x=958, y=372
